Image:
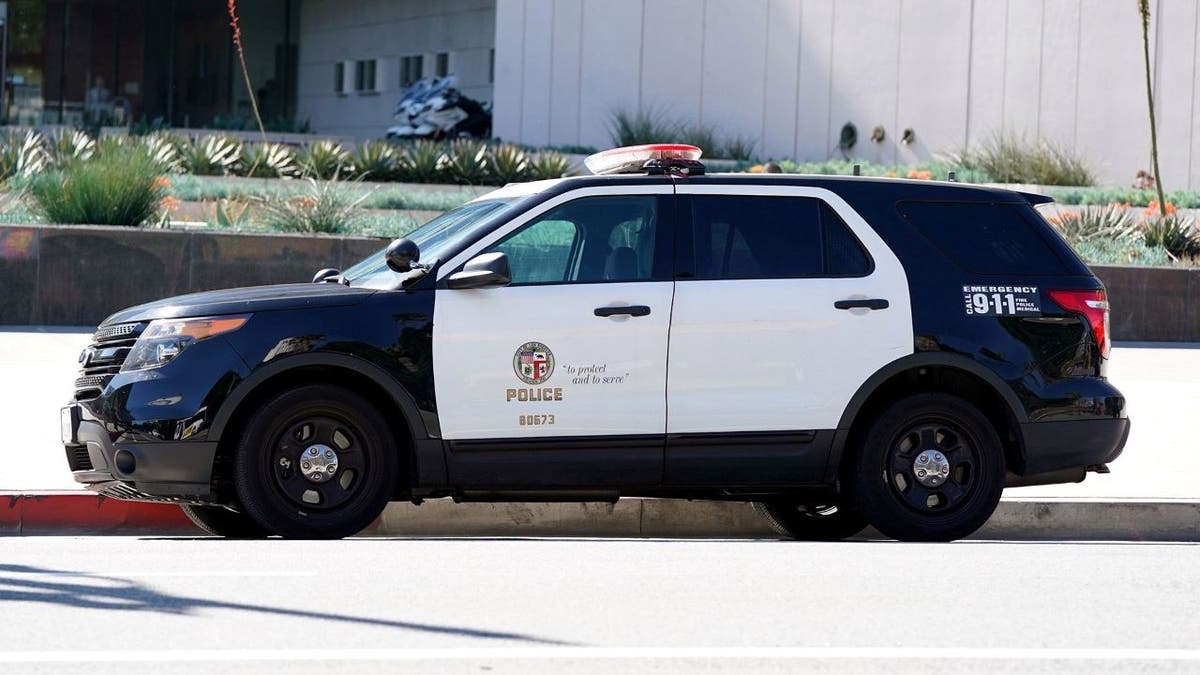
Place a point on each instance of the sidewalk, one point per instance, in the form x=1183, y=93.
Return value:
x=1156, y=473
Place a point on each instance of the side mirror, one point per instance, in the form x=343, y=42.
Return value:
x=401, y=254
x=489, y=269
x=328, y=274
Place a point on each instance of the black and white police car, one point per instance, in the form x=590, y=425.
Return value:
x=841, y=351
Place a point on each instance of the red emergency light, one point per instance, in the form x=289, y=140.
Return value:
x=653, y=158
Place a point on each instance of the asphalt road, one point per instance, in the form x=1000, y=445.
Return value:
x=517, y=606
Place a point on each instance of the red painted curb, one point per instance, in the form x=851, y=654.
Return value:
x=26, y=514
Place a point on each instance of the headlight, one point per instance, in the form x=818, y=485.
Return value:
x=164, y=339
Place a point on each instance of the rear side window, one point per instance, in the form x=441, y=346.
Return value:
x=740, y=237
x=985, y=238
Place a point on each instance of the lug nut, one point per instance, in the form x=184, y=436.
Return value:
x=332, y=468
x=285, y=462
x=312, y=451
x=922, y=459
x=328, y=454
x=938, y=457
x=920, y=473
x=306, y=466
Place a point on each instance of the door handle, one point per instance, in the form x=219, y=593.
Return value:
x=873, y=303
x=631, y=310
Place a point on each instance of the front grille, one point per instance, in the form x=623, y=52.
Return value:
x=79, y=459
x=103, y=358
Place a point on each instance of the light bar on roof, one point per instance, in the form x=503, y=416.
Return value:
x=633, y=158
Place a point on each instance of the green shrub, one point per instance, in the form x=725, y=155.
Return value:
x=118, y=187
x=210, y=156
x=421, y=162
x=21, y=155
x=375, y=160
x=267, y=160
x=508, y=164
x=547, y=165
x=1176, y=234
x=1121, y=252
x=1110, y=222
x=68, y=146
x=1184, y=199
x=1011, y=159
x=325, y=160
x=646, y=125
x=324, y=207
x=467, y=162
x=739, y=147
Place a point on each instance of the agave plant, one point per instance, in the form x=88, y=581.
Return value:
x=163, y=150
x=267, y=160
x=549, y=165
x=210, y=156
x=324, y=160
x=1177, y=235
x=508, y=164
x=68, y=146
x=21, y=155
x=323, y=206
x=422, y=162
x=467, y=162
x=1101, y=222
x=375, y=160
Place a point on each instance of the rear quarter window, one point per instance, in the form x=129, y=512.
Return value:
x=992, y=238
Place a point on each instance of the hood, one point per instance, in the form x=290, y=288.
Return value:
x=244, y=300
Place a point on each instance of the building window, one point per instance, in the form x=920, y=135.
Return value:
x=442, y=68
x=411, y=68
x=339, y=77
x=491, y=66
x=364, y=76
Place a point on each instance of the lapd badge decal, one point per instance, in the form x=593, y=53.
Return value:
x=533, y=363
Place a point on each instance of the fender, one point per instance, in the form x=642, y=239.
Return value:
x=908, y=363
x=379, y=376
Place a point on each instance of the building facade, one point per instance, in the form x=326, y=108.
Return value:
x=788, y=74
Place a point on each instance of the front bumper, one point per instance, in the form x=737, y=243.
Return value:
x=178, y=471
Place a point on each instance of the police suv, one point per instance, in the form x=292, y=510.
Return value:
x=840, y=351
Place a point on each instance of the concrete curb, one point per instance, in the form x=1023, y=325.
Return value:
x=68, y=513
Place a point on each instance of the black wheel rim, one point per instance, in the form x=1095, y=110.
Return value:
x=328, y=431
x=942, y=437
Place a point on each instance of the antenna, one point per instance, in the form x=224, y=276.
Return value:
x=857, y=169
x=953, y=178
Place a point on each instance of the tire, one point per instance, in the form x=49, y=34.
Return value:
x=957, y=493
x=334, y=493
x=811, y=522
x=221, y=522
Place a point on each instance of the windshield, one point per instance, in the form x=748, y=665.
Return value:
x=434, y=238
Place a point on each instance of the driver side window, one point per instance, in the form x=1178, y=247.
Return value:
x=589, y=240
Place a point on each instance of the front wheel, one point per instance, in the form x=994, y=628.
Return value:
x=316, y=462
x=812, y=522
x=930, y=468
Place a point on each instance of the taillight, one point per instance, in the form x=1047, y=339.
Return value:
x=1093, y=305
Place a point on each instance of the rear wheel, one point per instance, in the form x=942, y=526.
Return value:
x=930, y=468
x=316, y=462
x=812, y=522
x=221, y=522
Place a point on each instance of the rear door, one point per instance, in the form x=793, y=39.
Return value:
x=559, y=379
x=786, y=302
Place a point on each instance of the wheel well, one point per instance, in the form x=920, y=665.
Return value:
x=943, y=379
x=305, y=375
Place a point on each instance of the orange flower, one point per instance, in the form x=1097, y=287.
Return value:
x=1153, y=210
x=162, y=183
x=169, y=203
x=1069, y=215
x=920, y=175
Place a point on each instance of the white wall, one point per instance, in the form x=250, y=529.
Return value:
x=790, y=73
x=350, y=30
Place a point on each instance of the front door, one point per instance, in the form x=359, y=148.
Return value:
x=786, y=302
x=559, y=378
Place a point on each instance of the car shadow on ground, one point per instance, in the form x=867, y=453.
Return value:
x=81, y=590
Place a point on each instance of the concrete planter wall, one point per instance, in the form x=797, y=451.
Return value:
x=78, y=275
x=73, y=275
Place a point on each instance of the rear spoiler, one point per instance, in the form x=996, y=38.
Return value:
x=1034, y=199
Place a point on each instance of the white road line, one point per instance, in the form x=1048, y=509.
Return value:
x=581, y=653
